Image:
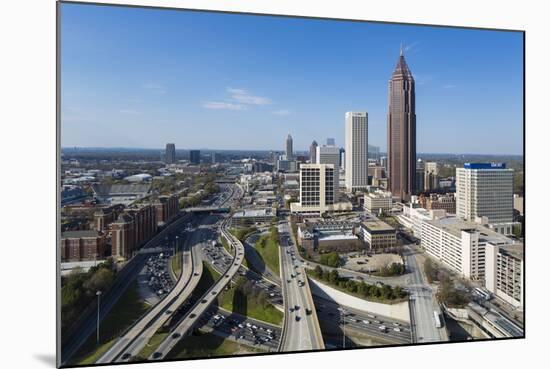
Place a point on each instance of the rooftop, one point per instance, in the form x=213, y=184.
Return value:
x=455, y=226
x=377, y=225
x=485, y=165
x=515, y=250
x=79, y=234
x=253, y=213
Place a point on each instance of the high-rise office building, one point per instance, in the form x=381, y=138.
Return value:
x=316, y=189
x=504, y=272
x=357, y=164
x=431, y=178
x=384, y=162
x=170, y=156
x=402, y=132
x=331, y=141
x=486, y=190
x=195, y=157
x=342, y=158
x=419, y=186
x=374, y=152
x=313, y=152
x=330, y=155
x=289, y=150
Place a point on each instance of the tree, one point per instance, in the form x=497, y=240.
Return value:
x=333, y=276
x=318, y=271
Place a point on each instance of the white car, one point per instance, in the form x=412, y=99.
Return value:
x=366, y=321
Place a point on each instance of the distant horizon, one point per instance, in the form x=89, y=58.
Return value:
x=254, y=150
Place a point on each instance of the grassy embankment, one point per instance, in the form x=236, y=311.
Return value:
x=125, y=312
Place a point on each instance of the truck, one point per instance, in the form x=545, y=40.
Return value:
x=437, y=320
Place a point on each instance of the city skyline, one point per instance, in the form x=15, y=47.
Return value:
x=260, y=104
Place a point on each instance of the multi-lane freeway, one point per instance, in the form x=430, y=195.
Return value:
x=124, y=278
x=422, y=303
x=135, y=338
x=192, y=317
x=301, y=330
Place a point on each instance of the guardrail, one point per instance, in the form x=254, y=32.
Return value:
x=90, y=311
x=155, y=311
x=318, y=334
x=283, y=293
x=217, y=288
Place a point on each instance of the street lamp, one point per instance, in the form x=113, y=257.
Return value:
x=98, y=294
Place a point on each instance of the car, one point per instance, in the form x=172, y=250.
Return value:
x=297, y=318
x=191, y=316
x=176, y=335
x=196, y=274
x=157, y=354
x=296, y=307
x=308, y=312
x=204, y=301
x=397, y=329
x=213, y=292
x=168, y=312
x=126, y=356
x=366, y=321
x=396, y=324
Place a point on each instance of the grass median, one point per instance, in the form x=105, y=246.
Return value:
x=267, y=247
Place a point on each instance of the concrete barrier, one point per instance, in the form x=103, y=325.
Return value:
x=399, y=311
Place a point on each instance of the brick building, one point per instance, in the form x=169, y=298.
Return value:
x=132, y=229
x=435, y=201
x=82, y=245
x=166, y=208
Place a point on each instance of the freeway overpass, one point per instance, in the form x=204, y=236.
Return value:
x=191, y=318
x=86, y=325
x=208, y=209
x=138, y=335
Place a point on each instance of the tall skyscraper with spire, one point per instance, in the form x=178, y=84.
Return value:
x=289, y=152
x=401, y=131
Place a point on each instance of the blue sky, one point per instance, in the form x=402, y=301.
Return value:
x=135, y=77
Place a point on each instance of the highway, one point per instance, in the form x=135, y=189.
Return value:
x=365, y=323
x=422, y=303
x=192, y=317
x=301, y=330
x=125, y=277
x=135, y=338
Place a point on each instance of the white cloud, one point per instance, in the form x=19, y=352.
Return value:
x=282, y=112
x=242, y=96
x=154, y=88
x=411, y=47
x=220, y=105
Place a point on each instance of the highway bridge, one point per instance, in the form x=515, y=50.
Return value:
x=191, y=318
x=138, y=335
x=86, y=325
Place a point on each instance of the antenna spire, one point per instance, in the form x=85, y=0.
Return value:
x=401, y=50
